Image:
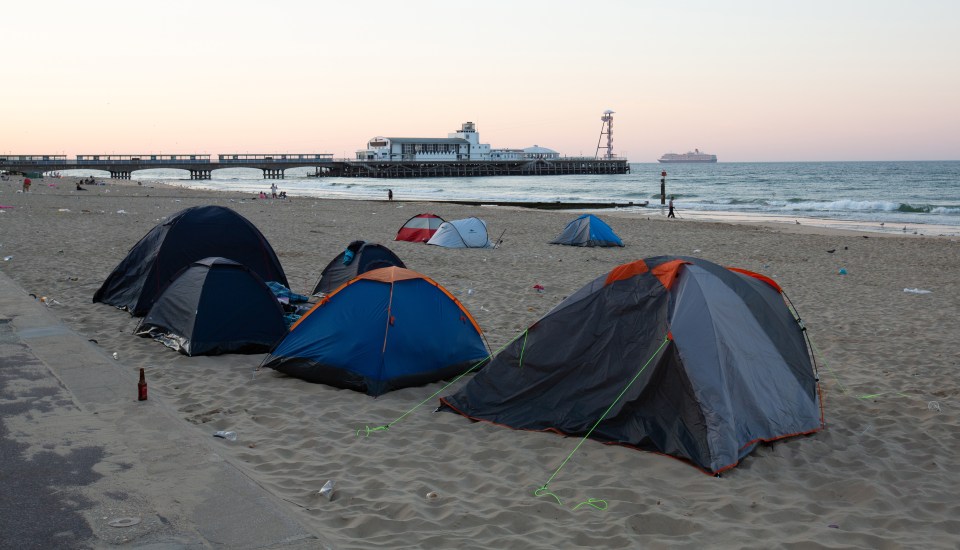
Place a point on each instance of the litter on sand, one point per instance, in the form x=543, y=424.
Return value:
x=123, y=522
x=327, y=489
x=916, y=291
x=232, y=436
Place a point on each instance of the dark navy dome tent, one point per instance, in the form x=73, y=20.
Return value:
x=358, y=258
x=185, y=237
x=216, y=306
x=389, y=328
x=588, y=230
x=685, y=357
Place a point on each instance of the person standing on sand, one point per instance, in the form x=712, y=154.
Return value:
x=26, y=184
x=273, y=190
x=670, y=213
x=389, y=194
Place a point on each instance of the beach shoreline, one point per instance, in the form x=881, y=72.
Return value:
x=880, y=475
x=648, y=208
x=822, y=226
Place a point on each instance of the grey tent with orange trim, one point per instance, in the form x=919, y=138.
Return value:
x=685, y=357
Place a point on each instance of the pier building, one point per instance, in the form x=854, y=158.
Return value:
x=462, y=145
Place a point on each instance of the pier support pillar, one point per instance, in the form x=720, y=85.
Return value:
x=200, y=174
x=273, y=173
x=119, y=175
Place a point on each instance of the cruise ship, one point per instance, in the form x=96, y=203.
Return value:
x=693, y=156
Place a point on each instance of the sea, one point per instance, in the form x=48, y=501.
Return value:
x=917, y=196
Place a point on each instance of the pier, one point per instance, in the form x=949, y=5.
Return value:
x=273, y=166
x=472, y=168
x=200, y=166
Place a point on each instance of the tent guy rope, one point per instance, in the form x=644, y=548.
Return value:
x=367, y=430
x=542, y=490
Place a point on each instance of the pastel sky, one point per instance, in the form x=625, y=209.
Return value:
x=817, y=80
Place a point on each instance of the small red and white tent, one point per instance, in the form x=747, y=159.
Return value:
x=419, y=228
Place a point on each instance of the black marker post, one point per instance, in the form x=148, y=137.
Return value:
x=663, y=187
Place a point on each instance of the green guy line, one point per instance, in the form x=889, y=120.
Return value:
x=604, y=415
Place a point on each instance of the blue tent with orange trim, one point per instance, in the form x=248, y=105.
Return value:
x=386, y=329
x=671, y=354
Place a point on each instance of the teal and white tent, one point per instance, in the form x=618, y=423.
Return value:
x=465, y=233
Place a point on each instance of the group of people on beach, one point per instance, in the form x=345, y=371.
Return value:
x=273, y=193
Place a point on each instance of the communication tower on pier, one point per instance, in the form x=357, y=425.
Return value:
x=606, y=128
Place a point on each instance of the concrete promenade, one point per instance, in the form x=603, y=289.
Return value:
x=83, y=464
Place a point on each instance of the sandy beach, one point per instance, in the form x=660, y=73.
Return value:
x=880, y=476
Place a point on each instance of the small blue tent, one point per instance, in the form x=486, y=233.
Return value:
x=387, y=329
x=588, y=230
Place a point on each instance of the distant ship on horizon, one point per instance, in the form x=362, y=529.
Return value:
x=693, y=156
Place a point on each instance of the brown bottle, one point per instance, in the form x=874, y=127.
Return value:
x=142, y=387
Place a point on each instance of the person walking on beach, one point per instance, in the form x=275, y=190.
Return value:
x=26, y=184
x=273, y=190
x=389, y=194
x=670, y=214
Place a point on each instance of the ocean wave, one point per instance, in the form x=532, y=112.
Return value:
x=733, y=201
x=945, y=210
x=846, y=205
x=861, y=206
x=929, y=209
